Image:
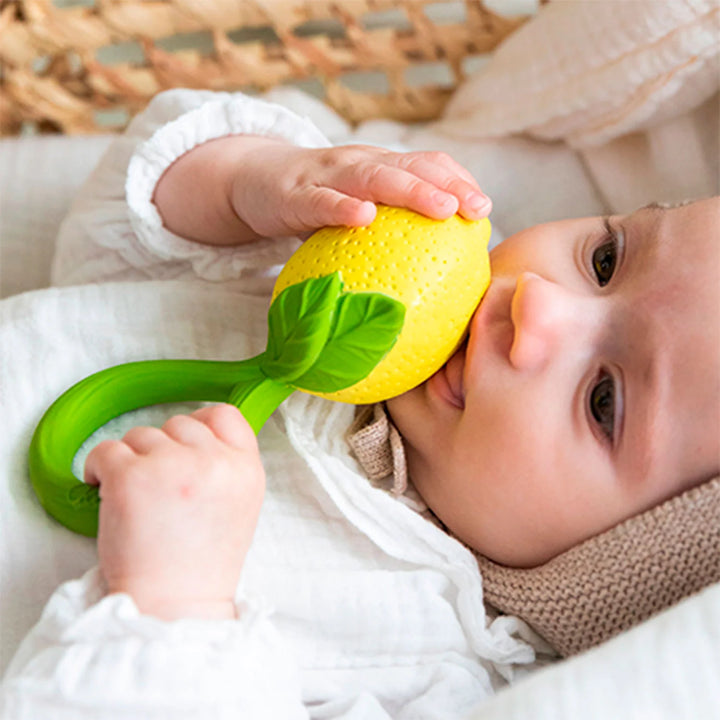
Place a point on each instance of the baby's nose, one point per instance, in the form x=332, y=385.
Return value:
x=546, y=317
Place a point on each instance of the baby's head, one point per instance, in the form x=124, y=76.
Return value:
x=588, y=391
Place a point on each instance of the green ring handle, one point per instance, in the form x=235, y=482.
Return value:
x=313, y=344
x=99, y=398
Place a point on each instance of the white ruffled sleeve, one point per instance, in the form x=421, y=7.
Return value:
x=114, y=231
x=92, y=657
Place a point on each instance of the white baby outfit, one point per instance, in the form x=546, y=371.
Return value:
x=352, y=603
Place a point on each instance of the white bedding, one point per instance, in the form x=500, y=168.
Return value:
x=665, y=669
x=38, y=179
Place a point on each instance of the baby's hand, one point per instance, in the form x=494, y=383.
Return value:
x=179, y=510
x=298, y=190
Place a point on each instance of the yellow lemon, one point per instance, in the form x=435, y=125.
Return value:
x=439, y=269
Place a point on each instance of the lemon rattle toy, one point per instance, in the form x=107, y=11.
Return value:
x=358, y=315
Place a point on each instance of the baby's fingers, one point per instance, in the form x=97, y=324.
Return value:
x=228, y=425
x=105, y=459
x=446, y=174
x=396, y=186
x=439, y=158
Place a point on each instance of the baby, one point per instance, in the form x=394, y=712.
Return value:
x=570, y=409
x=574, y=405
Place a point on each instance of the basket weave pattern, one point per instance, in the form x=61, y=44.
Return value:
x=52, y=74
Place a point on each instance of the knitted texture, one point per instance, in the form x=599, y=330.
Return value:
x=619, y=578
x=600, y=587
x=378, y=447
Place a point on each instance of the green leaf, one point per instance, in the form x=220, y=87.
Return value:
x=365, y=328
x=299, y=322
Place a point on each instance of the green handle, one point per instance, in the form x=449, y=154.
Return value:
x=97, y=399
x=313, y=344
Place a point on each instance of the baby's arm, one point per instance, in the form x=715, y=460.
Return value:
x=237, y=188
x=158, y=632
x=178, y=512
x=173, y=170
x=113, y=230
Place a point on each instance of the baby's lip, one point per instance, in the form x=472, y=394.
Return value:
x=454, y=372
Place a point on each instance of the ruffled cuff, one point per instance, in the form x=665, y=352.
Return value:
x=92, y=654
x=226, y=114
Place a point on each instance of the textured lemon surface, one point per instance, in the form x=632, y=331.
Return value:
x=439, y=269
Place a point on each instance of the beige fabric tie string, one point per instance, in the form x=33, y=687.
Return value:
x=378, y=447
x=598, y=588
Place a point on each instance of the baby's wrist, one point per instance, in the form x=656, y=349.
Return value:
x=196, y=196
x=238, y=190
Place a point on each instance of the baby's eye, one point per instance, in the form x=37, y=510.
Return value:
x=605, y=257
x=602, y=405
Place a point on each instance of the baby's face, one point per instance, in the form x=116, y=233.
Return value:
x=589, y=388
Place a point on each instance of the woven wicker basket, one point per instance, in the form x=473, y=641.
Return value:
x=94, y=64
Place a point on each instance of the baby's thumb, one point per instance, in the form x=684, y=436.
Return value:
x=323, y=206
